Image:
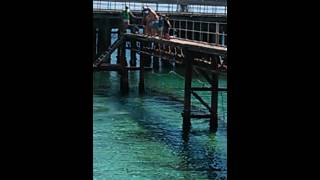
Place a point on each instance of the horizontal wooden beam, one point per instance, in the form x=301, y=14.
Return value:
x=197, y=46
x=165, y=57
x=207, y=89
x=137, y=68
x=201, y=88
x=222, y=89
x=108, y=67
x=215, y=71
x=199, y=116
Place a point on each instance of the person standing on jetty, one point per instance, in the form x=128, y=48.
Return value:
x=126, y=15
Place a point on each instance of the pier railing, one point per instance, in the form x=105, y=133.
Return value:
x=211, y=32
x=173, y=7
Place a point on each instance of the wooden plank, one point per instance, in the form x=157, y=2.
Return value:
x=201, y=89
x=109, y=51
x=200, y=116
x=164, y=57
x=201, y=100
x=222, y=89
x=117, y=67
x=207, y=89
x=108, y=67
x=218, y=72
x=137, y=68
x=192, y=45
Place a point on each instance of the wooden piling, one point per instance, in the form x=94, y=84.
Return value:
x=133, y=59
x=141, y=74
x=155, y=63
x=94, y=45
x=124, y=83
x=147, y=61
x=102, y=38
x=187, y=91
x=118, y=50
x=155, y=60
x=108, y=40
x=213, y=125
x=123, y=53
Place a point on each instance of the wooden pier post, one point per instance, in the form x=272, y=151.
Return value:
x=124, y=83
x=155, y=63
x=108, y=39
x=94, y=45
x=123, y=52
x=213, y=125
x=102, y=38
x=166, y=63
x=118, y=50
x=141, y=74
x=155, y=60
x=133, y=59
x=187, y=91
x=147, y=61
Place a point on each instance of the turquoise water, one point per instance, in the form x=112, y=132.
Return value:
x=140, y=136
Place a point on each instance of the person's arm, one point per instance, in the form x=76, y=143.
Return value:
x=132, y=15
x=169, y=24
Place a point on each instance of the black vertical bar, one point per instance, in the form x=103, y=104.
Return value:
x=214, y=104
x=141, y=74
x=94, y=45
x=102, y=38
x=124, y=83
x=133, y=59
x=108, y=39
x=187, y=91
